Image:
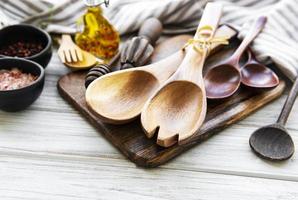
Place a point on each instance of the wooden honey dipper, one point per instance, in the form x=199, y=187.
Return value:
x=136, y=52
x=100, y=70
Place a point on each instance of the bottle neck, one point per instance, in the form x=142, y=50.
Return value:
x=95, y=9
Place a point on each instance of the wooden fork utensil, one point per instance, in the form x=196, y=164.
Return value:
x=69, y=51
x=178, y=108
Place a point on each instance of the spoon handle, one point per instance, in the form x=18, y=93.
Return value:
x=193, y=62
x=253, y=32
x=210, y=18
x=282, y=119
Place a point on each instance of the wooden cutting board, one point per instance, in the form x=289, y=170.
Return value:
x=131, y=140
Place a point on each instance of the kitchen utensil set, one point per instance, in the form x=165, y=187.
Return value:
x=129, y=90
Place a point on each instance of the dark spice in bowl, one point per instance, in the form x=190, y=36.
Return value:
x=21, y=48
x=26, y=41
x=15, y=79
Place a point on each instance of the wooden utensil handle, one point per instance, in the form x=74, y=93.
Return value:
x=282, y=119
x=193, y=62
x=252, y=34
x=210, y=18
x=151, y=29
x=66, y=37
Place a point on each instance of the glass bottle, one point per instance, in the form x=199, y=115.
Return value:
x=98, y=36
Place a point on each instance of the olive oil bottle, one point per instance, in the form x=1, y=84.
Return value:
x=98, y=36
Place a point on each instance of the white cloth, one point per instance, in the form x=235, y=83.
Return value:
x=277, y=43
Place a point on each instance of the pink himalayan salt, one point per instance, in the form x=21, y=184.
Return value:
x=15, y=79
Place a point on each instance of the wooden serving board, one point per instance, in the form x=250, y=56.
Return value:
x=131, y=140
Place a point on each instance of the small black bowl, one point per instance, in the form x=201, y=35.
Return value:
x=19, y=99
x=19, y=32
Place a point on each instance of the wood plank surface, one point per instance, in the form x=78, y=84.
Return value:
x=62, y=177
x=50, y=152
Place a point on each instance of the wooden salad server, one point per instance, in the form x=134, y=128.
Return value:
x=119, y=97
x=178, y=108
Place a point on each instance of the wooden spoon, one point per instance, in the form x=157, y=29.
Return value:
x=273, y=141
x=178, y=108
x=256, y=75
x=119, y=97
x=223, y=80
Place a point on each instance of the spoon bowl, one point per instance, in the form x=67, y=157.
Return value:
x=134, y=85
x=222, y=81
x=183, y=101
x=256, y=75
x=272, y=142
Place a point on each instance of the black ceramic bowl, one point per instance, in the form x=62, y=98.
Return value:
x=19, y=32
x=19, y=99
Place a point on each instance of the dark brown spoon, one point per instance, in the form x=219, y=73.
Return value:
x=273, y=141
x=256, y=75
x=223, y=80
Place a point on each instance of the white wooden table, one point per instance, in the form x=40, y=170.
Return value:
x=50, y=152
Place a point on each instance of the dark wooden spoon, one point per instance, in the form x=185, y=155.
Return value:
x=273, y=141
x=223, y=80
x=256, y=75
